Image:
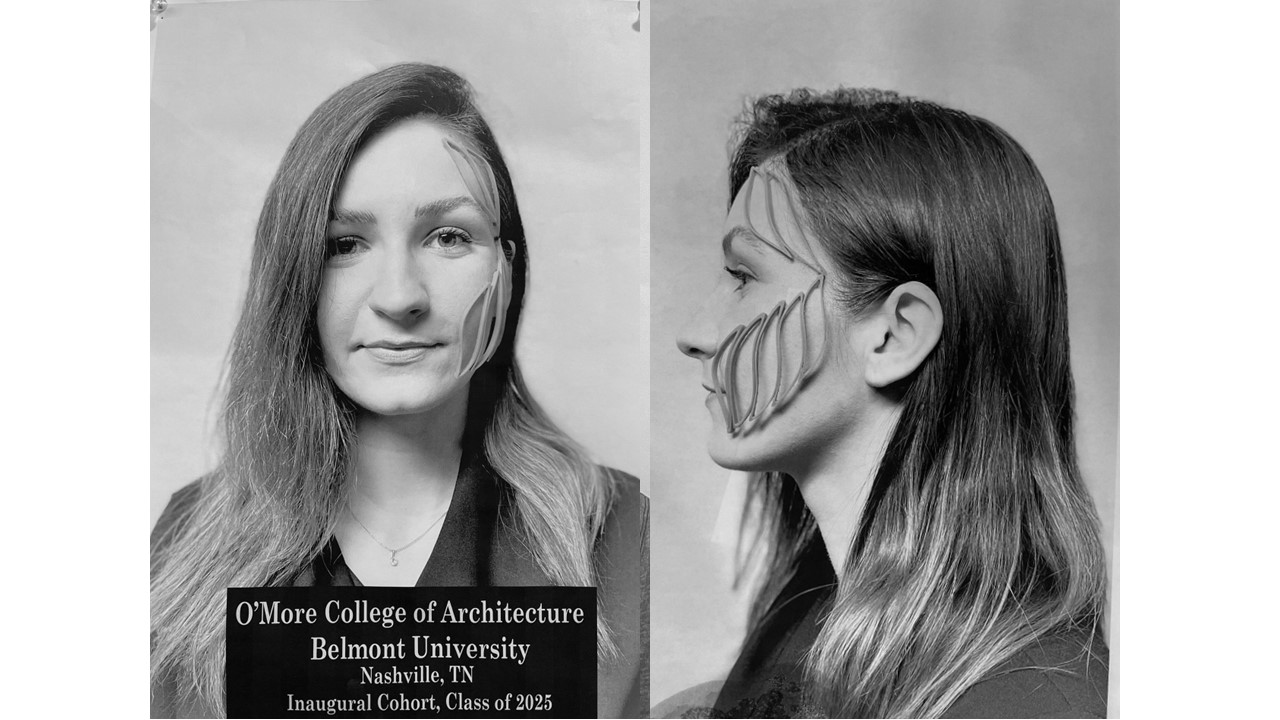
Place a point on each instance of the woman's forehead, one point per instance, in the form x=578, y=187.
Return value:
x=408, y=158
x=414, y=162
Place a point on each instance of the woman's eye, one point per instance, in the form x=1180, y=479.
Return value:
x=739, y=275
x=345, y=245
x=450, y=238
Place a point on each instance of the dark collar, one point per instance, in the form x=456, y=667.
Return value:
x=768, y=678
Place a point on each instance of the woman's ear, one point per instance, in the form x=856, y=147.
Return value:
x=905, y=328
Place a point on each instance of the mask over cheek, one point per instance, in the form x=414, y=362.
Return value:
x=483, y=322
x=761, y=365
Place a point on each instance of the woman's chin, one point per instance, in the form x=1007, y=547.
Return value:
x=404, y=401
x=746, y=453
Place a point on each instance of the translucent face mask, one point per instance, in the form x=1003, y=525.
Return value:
x=759, y=366
x=488, y=312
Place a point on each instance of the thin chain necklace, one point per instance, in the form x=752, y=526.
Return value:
x=402, y=548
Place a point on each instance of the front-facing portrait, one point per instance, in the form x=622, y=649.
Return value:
x=416, y=281
x=417, y=394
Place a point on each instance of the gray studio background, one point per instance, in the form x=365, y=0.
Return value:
x=564, y=86
x=1045, y=72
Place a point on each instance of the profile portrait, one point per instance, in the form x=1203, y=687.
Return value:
x=891, y=515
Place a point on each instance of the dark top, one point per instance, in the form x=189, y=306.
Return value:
x=1063, y=675
x=478, y=546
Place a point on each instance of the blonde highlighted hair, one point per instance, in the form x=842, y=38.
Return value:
x=275, y=498
x=979, y=536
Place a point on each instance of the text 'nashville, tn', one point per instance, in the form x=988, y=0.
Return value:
x=420, y=675
x=422, y=648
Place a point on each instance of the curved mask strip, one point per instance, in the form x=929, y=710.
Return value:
x=760, y=366
x=487, y=315
x=479, y=179
x=782, y=228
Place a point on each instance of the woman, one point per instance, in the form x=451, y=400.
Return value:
x=887, y=352
x=377, y=427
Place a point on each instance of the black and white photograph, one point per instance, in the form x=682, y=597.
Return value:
x=399, y=332
x=640, y=358
x=885, y=357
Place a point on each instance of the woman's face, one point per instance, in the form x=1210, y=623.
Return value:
x=410, y=251
x=777, y=362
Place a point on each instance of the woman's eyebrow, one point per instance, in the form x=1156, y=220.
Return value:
x=352, y=217
x=436, y=208
x=752, y=240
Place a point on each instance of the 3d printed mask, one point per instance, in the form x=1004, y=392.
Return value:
x=488, y=312
x=765, y=350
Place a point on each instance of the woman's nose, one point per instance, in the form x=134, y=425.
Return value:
x=697, y=338
x=400, y=289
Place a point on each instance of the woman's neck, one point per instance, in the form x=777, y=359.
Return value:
x=405, y=463
x=836, y=482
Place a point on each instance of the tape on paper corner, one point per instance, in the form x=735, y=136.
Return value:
x=635, y=24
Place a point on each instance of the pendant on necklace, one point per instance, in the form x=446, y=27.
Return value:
x=394, y=561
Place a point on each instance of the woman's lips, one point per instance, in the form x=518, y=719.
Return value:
x=711, y=395
x=399, y=354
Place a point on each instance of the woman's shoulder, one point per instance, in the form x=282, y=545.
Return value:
x=177, y=513
x=628, y=501
x=621, y=550
x=621, y=558
x=626, y=525
x=1062, y=675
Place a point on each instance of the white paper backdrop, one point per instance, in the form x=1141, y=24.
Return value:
x=564, y=86
x=1048, y=73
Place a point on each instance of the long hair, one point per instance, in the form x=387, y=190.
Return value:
x=978, y=537
x=275, y=499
